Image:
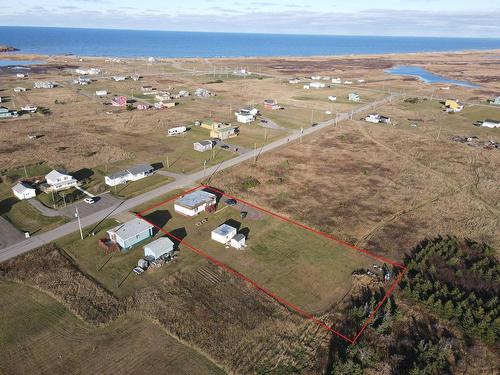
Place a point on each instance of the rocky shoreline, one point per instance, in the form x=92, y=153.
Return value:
x=8, y=49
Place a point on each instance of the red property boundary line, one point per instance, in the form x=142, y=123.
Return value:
x=263, y=289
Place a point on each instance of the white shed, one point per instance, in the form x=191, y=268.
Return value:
x=159, y=247
x=23, y=191
x=238, y=241
x=223, y=233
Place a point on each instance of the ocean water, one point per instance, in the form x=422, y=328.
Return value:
x=426, y=76
x=136, y=43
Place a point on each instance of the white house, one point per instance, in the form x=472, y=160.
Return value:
x=347, y=82
x=163, y=246
x=101, y=93
x=294, y=80
x=23, y=191
x=306, y=87
x=19, y=89
x=223, y=233
x=119, y=78
x=332, y=98
x=238, y=241
x=132, y=174
x=337, y=80
x=316, y=78
x=317, y=85
x=89, y=71
x=130, y=233
x=496, y=101
x=194, y=203
x=177, y=130
x=244, y=117
x=29, y=108
x=354, y=97
x=21, y=75
x=202, y=146
x=250, y=110
x=491, y=123
x=56, y=181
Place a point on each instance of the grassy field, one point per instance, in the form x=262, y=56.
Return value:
x=305, y=269
x=39, y=335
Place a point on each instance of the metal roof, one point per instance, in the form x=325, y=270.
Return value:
x=204, y=143
x=55, y=175
x=161, y=245
x=131, y=228
x=144, y=168
x=238, y=237
x=195, y=199
x=224, y=230
x=21, y=187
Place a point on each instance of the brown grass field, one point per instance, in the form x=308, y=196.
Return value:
x=381, y=187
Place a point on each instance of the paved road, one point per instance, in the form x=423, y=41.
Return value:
x=9, y=234
x=182, y=181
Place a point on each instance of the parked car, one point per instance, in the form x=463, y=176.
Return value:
x=224, y=146
x=89, y=200
x=230, y=202
x=138, y=270
x=263, y=121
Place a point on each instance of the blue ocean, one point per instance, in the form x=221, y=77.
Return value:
x=139, y=43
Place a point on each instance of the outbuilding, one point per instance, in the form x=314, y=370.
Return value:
x=157, y=248
x=202, y=146
x=238, y=241
x=491, y=123
x=223, y=233
x=24, y=191
x=130, y=233
x=194, y=203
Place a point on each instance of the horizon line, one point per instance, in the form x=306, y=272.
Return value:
x=249, y=33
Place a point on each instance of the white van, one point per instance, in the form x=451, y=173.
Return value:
x=177, y=130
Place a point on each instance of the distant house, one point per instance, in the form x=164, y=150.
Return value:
x=57, y=181
x=317, y=85
x=316, y=78
x=224, y=133
x=6, y=113
x=337, y=80
x=142, y=106
x=101, y=93
x=162, y=96
x=452, y=105
x=130, y=233
x=491, y=123
x=347, y=82
x=119, y=101
x=163, y=246
x=89, y=71
x=376, y=119
x=194, y=203
x=119, y=78
x=43, y=85
x=21, y=75
x=223, y=233
x=361, y=81
x=354, y=97
x=250, y=110
x=135, y=77
x=131, y=174
x=24, y=191
x=162, y=104
x=148, y=90
x=19, y=89
x=306, y=87
x=294, y=80
x=202, y=146
x=332, y=98
x=183, y=94
x=496, y=101
x=202, y=92
x=271, y=104
x=244, y=117
x=82, y=81
x=29, y=108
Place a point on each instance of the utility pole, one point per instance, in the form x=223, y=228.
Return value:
x=204, y=167
x=79, y=222
x=312, y=116
x=53, y=200
x=25, y=171
x=301, y=132
x=265, y=134
x=255, y=153
x=168, y=164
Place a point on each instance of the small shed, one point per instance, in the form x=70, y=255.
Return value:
x=238, y=241
x=159, y=247
x=223, y=233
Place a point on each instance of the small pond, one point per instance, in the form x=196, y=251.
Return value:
x=426, y=76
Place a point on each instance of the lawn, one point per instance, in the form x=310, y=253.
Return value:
x=306, y=269
x=39, y=335
x=133, y=188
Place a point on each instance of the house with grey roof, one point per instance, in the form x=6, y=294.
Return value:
x=131, y=174
x=132, y=232
x=163, y=246
x=194, y=203
x=202, y=146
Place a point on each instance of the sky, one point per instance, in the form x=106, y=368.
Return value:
x=460, y=18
